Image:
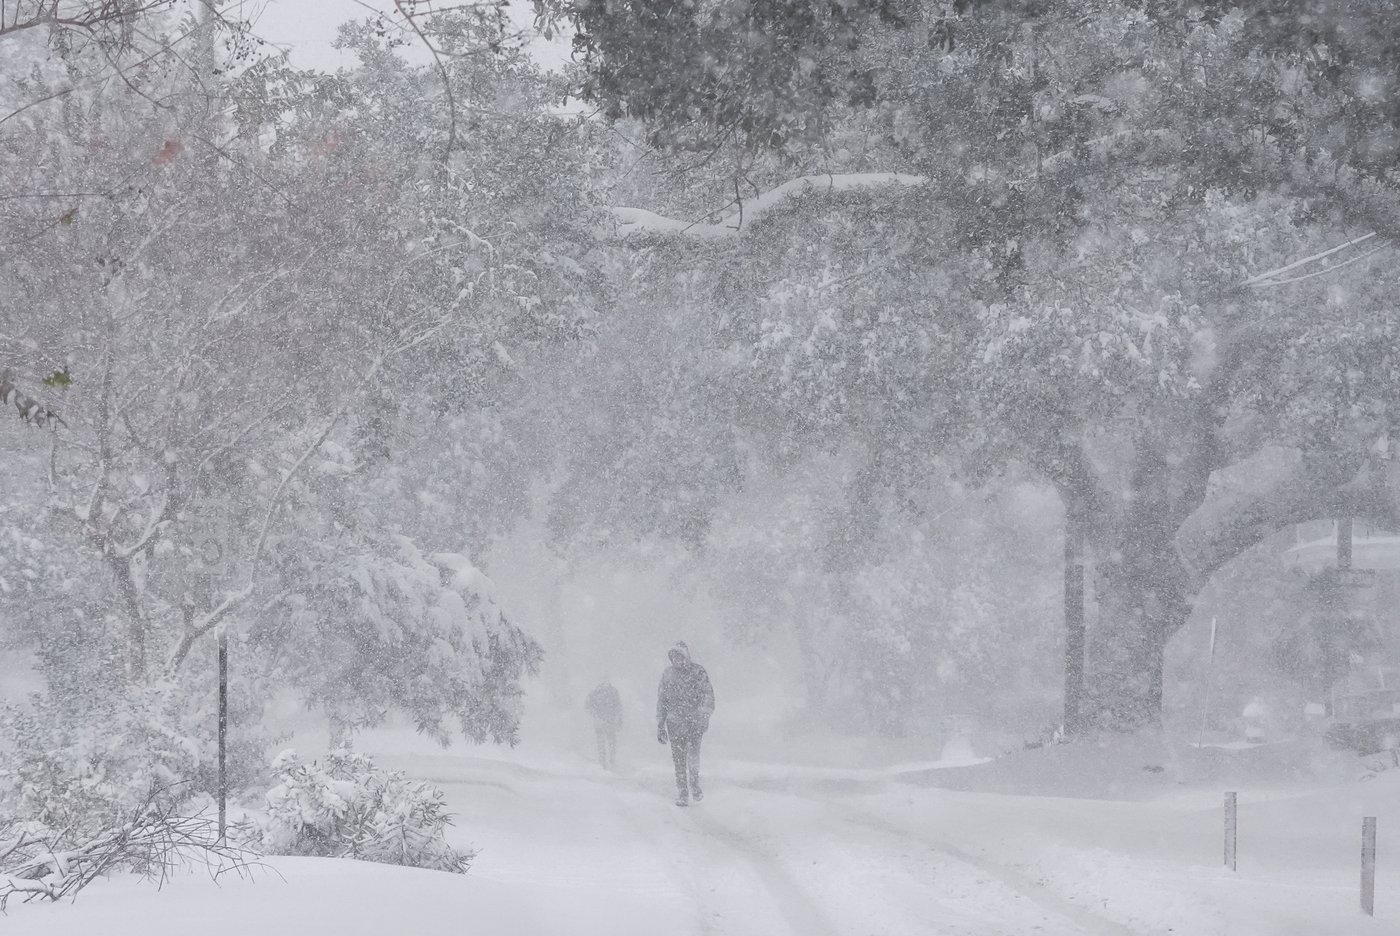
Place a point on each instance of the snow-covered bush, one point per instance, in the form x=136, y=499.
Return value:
x=81, y=764
x=349, y=808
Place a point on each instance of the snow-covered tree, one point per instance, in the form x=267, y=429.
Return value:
x=903, y=610
x=1116, y=245
x=366, y=628
x=295, y=280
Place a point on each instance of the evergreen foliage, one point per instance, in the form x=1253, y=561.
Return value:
x=349, y=808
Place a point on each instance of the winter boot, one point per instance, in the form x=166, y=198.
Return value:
x=682, y=799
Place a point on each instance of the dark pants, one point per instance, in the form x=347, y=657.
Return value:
x=685, y=751
x=607, y=744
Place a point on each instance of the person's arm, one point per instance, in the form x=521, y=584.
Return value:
x=661, y=710
x=707, y=698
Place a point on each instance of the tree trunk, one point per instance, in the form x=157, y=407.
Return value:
x=135, y=621
x=342, y=733
x=1143, y=600
x=1074, y=621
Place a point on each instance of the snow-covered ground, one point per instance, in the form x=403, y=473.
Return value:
x=569, y=849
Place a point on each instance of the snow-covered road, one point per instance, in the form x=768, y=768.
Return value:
x=567, y=849
x=777, y=849
x=771, y=855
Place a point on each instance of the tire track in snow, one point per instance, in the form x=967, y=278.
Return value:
x=1081, y=917
x=804, y=915
x=801, y=913
x=1088, y=921
x=686, y=883
x=632, y=807
x=792, y=904
x=974, y=897
x=699, y=875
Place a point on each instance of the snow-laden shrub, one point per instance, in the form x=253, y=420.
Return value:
x=83, y=764
x=89, y=787
x=347, y=807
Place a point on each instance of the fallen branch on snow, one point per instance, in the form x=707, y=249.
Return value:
x=153, y=841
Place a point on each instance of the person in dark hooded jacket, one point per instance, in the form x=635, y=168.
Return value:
x=684, y=702
x=605, y=705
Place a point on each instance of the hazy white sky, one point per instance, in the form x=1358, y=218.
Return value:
x=308, y=27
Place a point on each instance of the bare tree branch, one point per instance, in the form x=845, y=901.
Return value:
x=102, y=19
x=152, y=839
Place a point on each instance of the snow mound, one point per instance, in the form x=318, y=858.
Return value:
x=293, y=895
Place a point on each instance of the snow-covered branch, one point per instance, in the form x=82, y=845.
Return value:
x=1299, y=487
x=196, y=628
x=629, y=222
x=159, y=515
x=1271, y=277
x=296, y=466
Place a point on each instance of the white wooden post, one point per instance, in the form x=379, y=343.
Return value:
x=1230, y=826
x=1368, y=865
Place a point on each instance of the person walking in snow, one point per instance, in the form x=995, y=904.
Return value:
x=605, y=705
x=684, y=702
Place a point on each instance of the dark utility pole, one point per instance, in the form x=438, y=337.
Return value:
x=1344, y=543
x=1074, y=621
x=223, y=734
